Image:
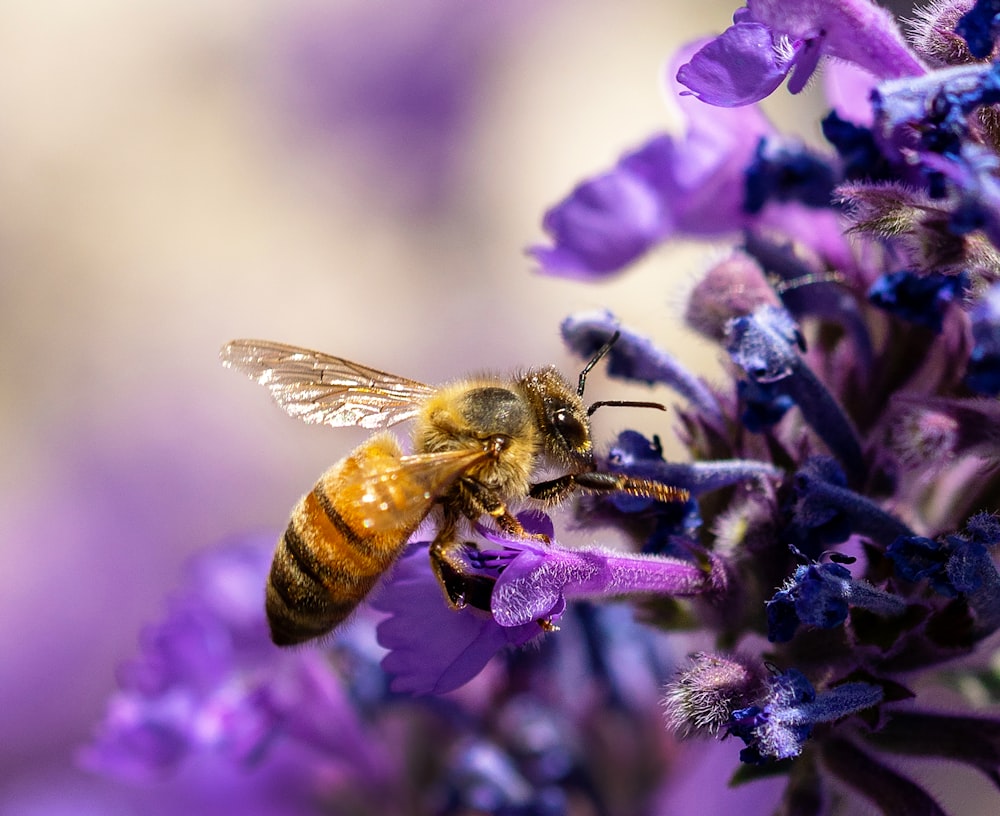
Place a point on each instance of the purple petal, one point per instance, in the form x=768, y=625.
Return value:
x=692, y=184
x=848, y=90
x=433, y=648
x=804, y=65
x=739, y=67
x=604, y=224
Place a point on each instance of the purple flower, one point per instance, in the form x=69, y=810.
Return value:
x=209, y=683
x=827, y=511
x=534, y=582
x=776, y=727
x=632, y=453
x=958, y=565
x=688, y=185
x=839, y=478
x=820, y=595
x=531, y=586
x=770, y=39
x=464, y=639
x=604, y=224
x=405, y=108
x=741, y=66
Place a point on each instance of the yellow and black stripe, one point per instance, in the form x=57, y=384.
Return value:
x=322, y=568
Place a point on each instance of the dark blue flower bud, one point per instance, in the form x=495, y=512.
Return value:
x=920, y=299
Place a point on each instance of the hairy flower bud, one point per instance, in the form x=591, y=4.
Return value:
x=932, y=33
x=702, y=696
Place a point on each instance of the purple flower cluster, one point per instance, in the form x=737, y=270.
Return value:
x=836, y=554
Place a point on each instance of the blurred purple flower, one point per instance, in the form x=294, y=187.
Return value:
x=686, y=185
x=208, y=682
x=401, y=86
x=983, y=371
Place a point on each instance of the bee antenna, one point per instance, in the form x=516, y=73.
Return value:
x=625, y=404
x=595, y=360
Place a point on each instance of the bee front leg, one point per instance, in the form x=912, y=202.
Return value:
x=557, y=489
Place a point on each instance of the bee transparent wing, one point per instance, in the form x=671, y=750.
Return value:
x=402, y=495
x=319, y=388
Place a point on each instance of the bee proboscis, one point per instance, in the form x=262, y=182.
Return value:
x=478, y=444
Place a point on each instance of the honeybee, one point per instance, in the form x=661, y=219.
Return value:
x=478, y=444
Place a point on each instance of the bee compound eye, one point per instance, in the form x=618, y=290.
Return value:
x=569, y=428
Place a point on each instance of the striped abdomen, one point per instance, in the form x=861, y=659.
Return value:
x=333, y=551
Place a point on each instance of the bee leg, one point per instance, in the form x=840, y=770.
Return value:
x=554, y=490
x=479, y=500
x=596, y=481
x=461, y=586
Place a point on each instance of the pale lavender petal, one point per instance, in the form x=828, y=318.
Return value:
x=848, y=90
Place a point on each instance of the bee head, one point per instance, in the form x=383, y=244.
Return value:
x=561, y=418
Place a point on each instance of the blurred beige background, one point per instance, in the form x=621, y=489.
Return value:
x=163, y=192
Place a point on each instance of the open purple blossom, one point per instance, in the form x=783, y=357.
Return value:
x=530, y=585
x=771, y=39
x=467, y=638
x=533, y=582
